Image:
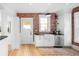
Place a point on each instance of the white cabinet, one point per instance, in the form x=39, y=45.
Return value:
x=38, y=40
x=44, y=40
x=49, y=40
x=3, y=47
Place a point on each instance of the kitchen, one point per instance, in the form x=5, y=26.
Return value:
x=39, y=26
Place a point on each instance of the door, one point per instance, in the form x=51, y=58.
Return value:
x=27, y=30
x=76, y=28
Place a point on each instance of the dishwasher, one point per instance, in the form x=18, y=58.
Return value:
x=59, y=41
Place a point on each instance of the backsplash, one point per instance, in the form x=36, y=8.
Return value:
x=60, y=24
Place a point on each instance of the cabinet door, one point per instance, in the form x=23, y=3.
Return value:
x=49, y=40
x=36, y=39
x=42, y=40
x=4, y=47
x=52, y=40
x=39, y=40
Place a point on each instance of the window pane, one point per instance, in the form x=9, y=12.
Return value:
x=44, y=23
x=27, y=26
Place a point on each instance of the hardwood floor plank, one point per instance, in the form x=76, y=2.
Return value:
x=31, y=50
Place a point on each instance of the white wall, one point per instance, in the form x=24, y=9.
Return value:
x=17, y=32
x=64, y=19
x=13, y=36
x=67, y=29
x=4, y=23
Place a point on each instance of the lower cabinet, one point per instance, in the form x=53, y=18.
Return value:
x=44, y=40
x=48, y=40
x=4, y=47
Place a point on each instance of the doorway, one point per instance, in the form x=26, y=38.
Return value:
x=27, y=30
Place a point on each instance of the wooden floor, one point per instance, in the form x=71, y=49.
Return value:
x=30, y=50
x=25, y=50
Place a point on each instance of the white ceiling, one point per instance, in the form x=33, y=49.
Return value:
x=38, y=7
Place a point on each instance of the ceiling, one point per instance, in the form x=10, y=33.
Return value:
x=38, y=7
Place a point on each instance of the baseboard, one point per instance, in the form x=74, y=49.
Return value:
x=66, y=46
x=58, y=46
x=53, y=46
x=44, y=46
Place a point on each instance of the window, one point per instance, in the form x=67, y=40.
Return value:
x=27, y=26
x=26, y=23
x=44, y=23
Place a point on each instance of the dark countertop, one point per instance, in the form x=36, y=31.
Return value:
x=59, y=34
x=48, y=33
x=2, y=37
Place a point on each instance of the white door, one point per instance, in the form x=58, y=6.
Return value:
x=27, y=30
x=76, y=27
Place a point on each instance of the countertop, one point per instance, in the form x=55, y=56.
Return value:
x=48, y=33
x=2, y=37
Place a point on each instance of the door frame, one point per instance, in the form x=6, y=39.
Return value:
x=76, y=9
